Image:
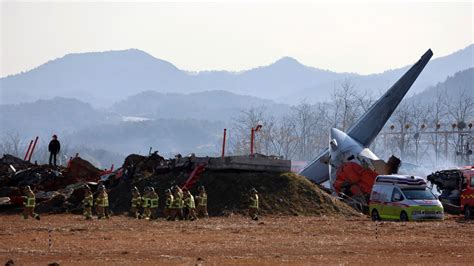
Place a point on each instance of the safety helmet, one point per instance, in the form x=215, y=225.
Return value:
x=27, y=188
x=152, y=189
x=201, y=188
x=168, y=191
x=87, y=187
x=101, y=187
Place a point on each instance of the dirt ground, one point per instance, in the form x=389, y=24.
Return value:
x=234, y=240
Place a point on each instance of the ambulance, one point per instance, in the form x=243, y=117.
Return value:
x=404, y=198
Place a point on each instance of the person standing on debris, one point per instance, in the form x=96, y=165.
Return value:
x=190, y=206
x=136, y=203
x=202, y=202
x=181, y=203
x=29, y=203
x=53, y=147
x=102, y=203
x=87, y=202
x=168, y=203
x=253, y=206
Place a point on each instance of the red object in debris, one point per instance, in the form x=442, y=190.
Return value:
x=28, y=151
x=359, y=179
x=194, y=177
x=17, y=200
x=32, y=149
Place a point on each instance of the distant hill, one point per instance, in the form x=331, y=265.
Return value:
x=459, y=84
x=103, y=78
x=209, y=105
x=47, y=117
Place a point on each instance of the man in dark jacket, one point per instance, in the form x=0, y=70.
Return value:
x=53, y=148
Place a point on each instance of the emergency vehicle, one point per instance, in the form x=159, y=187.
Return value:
x=404, y=198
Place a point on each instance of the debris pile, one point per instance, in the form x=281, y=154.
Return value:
x=60, y=189
x=53, y=186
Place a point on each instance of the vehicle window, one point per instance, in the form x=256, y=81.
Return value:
x=418, y=194
x=397, y=195
x=386, y=193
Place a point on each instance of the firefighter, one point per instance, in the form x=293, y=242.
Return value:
x=201, y=199
x=253, y=204
x=190, y=206
x=102, y=203
x=168, y=203
x=153, y=197
x=87, y=202
x=181, y=203
x=53, y=147
x=135, y=203
x=176, y=205
x=29, y=203
x=146, y=203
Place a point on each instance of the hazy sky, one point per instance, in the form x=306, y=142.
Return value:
x=355, y=37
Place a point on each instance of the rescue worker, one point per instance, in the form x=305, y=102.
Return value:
x=135, y=203
x=168, y=203
x=190, y=206
x=154, y=199
x=29, y=203
x=88, y=202
x=181, y=203
x=176, y=205
x=253, y=204
x=201, y=199
x=53, y=147
x=102, y=203
x=146, y=204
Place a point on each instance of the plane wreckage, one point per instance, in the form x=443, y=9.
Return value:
x=348, y=164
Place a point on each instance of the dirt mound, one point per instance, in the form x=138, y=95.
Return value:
x=287, y=193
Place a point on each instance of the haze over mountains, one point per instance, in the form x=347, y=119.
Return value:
x=92, y=99
x=104, y=78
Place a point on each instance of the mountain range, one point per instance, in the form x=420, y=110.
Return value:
x=105, y=78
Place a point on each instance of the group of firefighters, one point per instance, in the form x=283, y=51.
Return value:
x=179, y=204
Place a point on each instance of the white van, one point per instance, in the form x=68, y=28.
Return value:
x=405, y=198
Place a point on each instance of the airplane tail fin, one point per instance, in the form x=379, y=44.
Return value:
x=371, y=123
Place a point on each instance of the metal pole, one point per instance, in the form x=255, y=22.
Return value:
x=252, y=136
x=223, y=143
x=32, y=149
x=28, y=151
x=446, y=146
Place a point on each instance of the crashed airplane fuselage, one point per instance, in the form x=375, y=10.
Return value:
x=347, y=163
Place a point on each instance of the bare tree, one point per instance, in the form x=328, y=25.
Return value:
x=11, y=144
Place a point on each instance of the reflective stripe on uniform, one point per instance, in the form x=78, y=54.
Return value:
x=169, y=201
x=154, y=202
x=203, y=200
x=136, y=201
x=254, y=202
x=30, y=202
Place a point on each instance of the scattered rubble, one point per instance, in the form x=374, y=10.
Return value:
x=60, y=189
